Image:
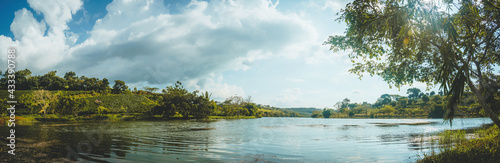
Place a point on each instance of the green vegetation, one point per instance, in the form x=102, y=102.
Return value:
x=455, y=45
x=416, y=105
x=306, y=112
x=456, y=147
x=73, y=98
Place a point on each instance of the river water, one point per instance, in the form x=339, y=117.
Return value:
x=243, y=140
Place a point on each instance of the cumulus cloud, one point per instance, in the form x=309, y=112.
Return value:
x=204, y=38
x=141, y=41
x=289, y=97
x=41, y=44
x=213, y=84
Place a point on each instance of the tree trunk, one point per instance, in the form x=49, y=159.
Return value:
x=487, y=108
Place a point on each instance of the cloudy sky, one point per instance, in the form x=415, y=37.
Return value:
x=270, y=50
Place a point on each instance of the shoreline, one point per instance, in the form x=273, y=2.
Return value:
x=484, y=148
x=28, y=119
x=23, y=119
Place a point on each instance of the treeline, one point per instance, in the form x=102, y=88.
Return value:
x=416, y=104
x=77, y=96
x=50, y=81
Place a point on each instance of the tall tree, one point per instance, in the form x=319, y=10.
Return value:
x=453, y=44
x=119, y=86
x=327, y=112
x=413, y=93
x=71, y=80
x=51, y=81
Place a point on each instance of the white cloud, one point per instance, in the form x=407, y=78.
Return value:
x=334, y=5
x=42, y=45
x=214, y=85
x=136, y=36
x=56, y=13
x=289, y=97
x=356, y=91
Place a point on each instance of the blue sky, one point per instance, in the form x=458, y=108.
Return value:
x=270, y=50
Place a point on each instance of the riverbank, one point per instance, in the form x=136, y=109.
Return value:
x=485, y=147
x=28, y=119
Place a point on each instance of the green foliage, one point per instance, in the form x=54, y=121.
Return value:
x=149, y=89
x=317, y=114
x=414, y=41
x=485, y=148
x=50, y=81
x=327, y=113
x=178, y=100
x=396, y=106
x=413, y=93
x=119, y=87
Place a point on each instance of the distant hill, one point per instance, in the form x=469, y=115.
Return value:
x=306, y=112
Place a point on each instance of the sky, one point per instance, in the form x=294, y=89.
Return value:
x=270, y=50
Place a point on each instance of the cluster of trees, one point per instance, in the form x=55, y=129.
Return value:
x=74, y=95
x=177, y=100
x=237, y=106
x=416, y=104
x=70, y=82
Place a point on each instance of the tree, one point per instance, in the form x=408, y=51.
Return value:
x=317, y=114
x=402, y=102
x=43, y=98
x=103, y=85
x=71, y=80
x=52, y=82
x=425, y=98
x=177, y=99
x=119, y=87
x=202, y=106
x=251, y=107
x=150, y=89
x=387, y=109
x=22, y=79
x=384, y=100
x=413, y=93
x=345, y=103
x=408, y=41
x=327, y=112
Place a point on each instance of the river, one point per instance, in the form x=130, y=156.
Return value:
x=244, y=140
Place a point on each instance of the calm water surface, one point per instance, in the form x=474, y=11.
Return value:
x=245, y=140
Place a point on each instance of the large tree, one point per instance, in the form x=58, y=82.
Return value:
x=454, y=45
x=119, y=87
x=413, y=93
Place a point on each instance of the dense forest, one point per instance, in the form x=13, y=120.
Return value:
x=81, y=96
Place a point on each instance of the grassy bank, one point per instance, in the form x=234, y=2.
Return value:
x=28, y=119
x=485, y=147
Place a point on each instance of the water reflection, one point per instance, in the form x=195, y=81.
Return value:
x=250, y=140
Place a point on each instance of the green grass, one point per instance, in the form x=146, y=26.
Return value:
x=456, y=148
